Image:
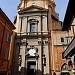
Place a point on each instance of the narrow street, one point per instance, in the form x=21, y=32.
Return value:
x=37, y=42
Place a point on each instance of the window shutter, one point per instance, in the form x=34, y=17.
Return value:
x=8, y=38
x=6, y=53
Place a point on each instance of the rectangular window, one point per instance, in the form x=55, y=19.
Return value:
x=8, y=38
x=6, y=53
x=62, y=39
x=33, y=27
x=32, y=66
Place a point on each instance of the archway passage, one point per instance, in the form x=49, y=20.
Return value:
x=31, y=68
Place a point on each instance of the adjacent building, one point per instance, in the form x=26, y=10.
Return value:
x=6, y=27
x=40, y=41
x=69, y=25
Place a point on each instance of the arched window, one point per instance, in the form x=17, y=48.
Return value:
x=64, y=67
x=33, y=25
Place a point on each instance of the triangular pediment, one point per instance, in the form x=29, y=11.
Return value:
x=32, y=8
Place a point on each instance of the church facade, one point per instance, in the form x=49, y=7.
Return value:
x=36, y=50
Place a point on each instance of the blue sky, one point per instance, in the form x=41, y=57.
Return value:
x=10, y=8
x=61, y=6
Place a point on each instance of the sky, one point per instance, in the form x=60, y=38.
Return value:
x=61, y=6
x=10, y=8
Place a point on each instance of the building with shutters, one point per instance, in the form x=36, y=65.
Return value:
x=6, y=27
x=40, y=40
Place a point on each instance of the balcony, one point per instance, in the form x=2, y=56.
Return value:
x=33, y=35
x=70, y=50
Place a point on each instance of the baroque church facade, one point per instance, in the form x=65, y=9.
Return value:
x=38, y=28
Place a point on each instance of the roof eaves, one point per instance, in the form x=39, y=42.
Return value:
x=7, y=19
x=68, y=15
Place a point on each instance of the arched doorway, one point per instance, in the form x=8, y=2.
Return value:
x=32, y=60
x=31, y=68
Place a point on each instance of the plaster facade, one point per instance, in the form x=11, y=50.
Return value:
x=44, y=37
x=6, y=32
